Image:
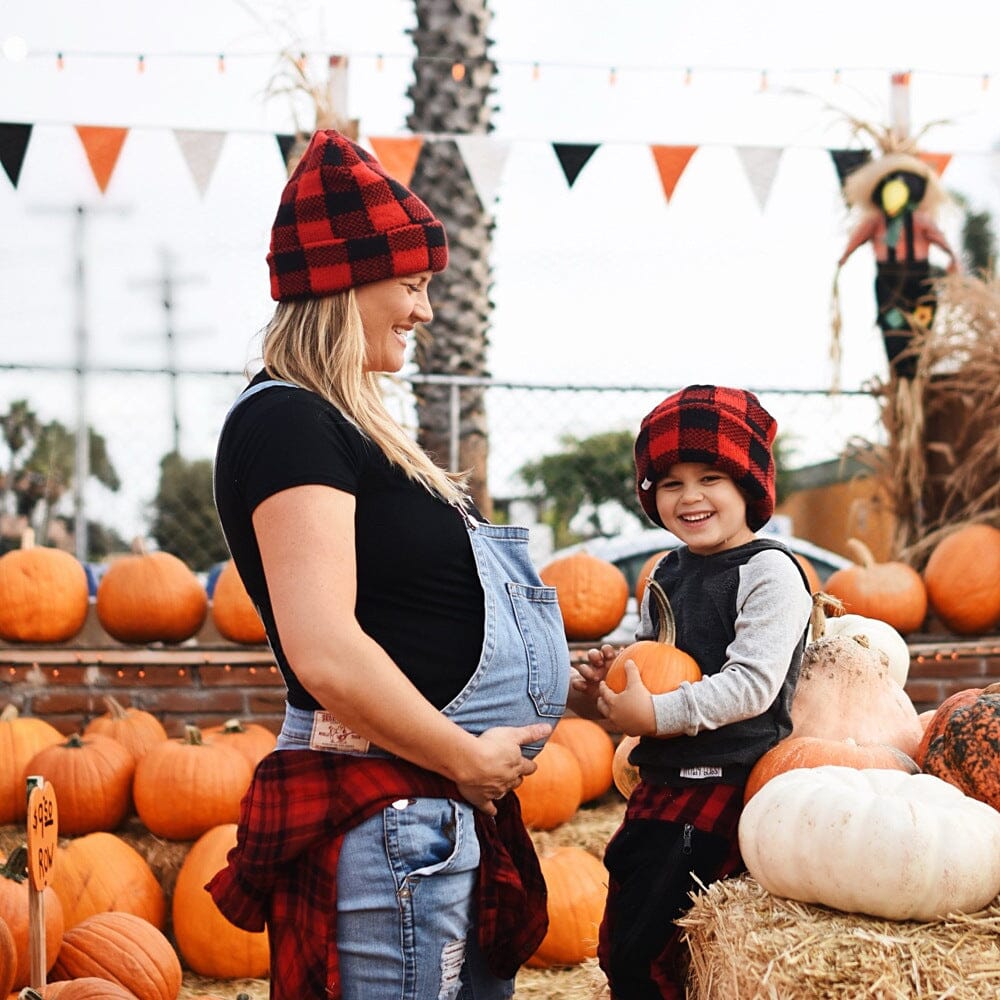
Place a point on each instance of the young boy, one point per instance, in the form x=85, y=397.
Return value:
x=704, y=471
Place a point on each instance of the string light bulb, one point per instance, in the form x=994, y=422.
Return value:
x=687, y=77
x=60, y=62
x=140, y=63
x=220, y=64
x=613, y=76
x=379, y=62
x=458, y=71
x=536, y=71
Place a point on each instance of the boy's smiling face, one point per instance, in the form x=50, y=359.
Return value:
x=703, y=507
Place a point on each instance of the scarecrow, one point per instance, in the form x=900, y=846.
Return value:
x=897, y=198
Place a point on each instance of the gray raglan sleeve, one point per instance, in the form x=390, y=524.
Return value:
x=773, y=610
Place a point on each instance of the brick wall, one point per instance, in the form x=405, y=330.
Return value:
x=207, y=681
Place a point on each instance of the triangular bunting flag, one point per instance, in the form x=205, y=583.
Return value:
x=847, y=160
x=671, y=162
x=103, y=145
x=938, y=162
x=286, y=143
x=201, y=152
x=13, y=145
x=398, y=155
x=573, y=158
x=761, y=166
x=485, y=159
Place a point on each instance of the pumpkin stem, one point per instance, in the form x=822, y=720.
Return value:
x=668, y=623
x=28, y=993
x=74, y=742
x=860, y=553
x=28, y=538
x=822, y=603
x=192, y=736
x=115, y=708
x=233, y=726
x=9, y=712
x=16, y=866
x=138, y=546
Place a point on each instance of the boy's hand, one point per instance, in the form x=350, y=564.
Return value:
x=585, y=681
x=631, y=711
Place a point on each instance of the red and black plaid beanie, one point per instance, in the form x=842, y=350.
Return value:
x=726, y=428
x=343, y=221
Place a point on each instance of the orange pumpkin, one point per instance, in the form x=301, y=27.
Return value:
x=21, y=737
x=44, y=595
x=87, y=988
x=965, y=754
x=150, y=597
x=209, y=944
x=592, y=594
x=963, y=579
x=233, y=613
x=934, y=725
x=134, y=728
x=814, y=751
x=812, y=577
x=100, y=872
x=552, y=794
x=15, y=911
x=124, y=949
x=183, y=787
x=662, y=666
x=626, y=775
x=92, y=778
x=594, y=750
x=892, y=592
x=252, y=739
x=645, y=572
x=577, y=886
x=8, y=959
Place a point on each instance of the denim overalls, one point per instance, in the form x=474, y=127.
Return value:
x=406, y=875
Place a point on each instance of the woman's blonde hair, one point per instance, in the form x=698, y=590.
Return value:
x=319, y=344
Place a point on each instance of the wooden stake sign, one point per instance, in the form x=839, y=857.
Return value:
x=43, y=836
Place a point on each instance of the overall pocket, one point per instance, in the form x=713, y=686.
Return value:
x=540, y=625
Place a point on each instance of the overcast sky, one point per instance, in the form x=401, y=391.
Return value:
x=603, y=282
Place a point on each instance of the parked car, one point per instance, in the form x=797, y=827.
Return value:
x=630, y=551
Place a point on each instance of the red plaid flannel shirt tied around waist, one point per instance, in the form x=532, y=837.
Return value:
x=282, y=872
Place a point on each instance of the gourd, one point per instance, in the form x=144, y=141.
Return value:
x=626, y=775
x=8, y=959
x=844, y=691
x=183, y=787
x=592, y=594
x=577, y=890
x=92, y=778
x=963, y=579
x=134, y=728
x=15, y=912
x=881, y=842
x=150, y=597
x=208, y=943
x=880, y=635
x=87, y=988
x=252, y=739
x=551, y=794
x=124, y=949
x=99, y=872
x=892, y=592
x=935, y=723
x=814, y=751
x=594, y=750
x=662, y=666
x=233, y=613
x=21, y=737
x=44, y=595
x=967, y=752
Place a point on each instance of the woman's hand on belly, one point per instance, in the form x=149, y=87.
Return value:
x=497, y=765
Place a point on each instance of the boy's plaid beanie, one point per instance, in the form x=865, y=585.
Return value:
x=726, y=428
x=343, y=221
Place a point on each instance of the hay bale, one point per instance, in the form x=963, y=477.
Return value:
x=747, y=943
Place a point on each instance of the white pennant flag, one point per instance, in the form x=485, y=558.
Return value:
x=761, y=166
x=201, y=153
x=485, y=159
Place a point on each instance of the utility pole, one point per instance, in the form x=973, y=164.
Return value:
x=166, y=283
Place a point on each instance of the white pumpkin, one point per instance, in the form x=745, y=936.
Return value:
x=880, y=842
x=881, y=636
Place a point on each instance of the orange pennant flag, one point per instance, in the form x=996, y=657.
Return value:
x=938, y=162
x=671, y=162
x=398, y=156
x=102, y=145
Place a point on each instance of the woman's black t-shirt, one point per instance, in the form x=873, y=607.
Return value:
x=418, y=592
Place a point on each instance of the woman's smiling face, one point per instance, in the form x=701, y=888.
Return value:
x=390, y=309
x=703, y=507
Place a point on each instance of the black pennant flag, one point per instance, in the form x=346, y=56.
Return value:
x=286, y=143
x=573, y=158
x=14, y=140
x=848, y=160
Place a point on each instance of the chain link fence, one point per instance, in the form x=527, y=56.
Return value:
x=147, y=467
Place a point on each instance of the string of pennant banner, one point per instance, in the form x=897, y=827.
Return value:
x=484, y=156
